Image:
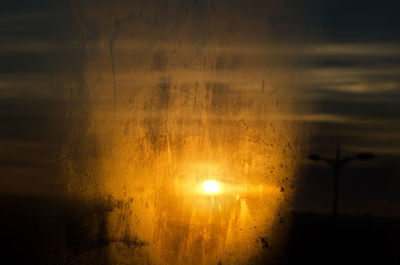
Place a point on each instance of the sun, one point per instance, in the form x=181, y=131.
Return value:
x=211, y=186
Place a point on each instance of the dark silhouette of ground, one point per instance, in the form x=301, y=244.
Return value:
x=54, y=231
x=51, y=231
x=357, y=240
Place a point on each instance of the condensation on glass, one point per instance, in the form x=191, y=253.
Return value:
x=170, y=95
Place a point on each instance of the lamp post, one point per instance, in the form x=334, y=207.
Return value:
x=337, y=164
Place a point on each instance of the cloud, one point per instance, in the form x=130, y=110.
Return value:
x=367, y=49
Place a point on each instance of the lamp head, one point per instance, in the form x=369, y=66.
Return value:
x=365, y=156
x=314, y=157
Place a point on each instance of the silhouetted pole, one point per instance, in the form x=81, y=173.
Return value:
x=336, y=170
x=337, y=165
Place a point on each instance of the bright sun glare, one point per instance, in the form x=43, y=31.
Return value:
x=211, y=186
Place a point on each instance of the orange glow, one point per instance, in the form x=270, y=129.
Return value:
x=177, y=114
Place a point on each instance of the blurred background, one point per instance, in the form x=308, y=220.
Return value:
x=346, y=84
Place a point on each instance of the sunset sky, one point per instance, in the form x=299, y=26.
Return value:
x=349, y=75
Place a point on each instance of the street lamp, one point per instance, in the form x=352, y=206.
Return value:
x=337, y=165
